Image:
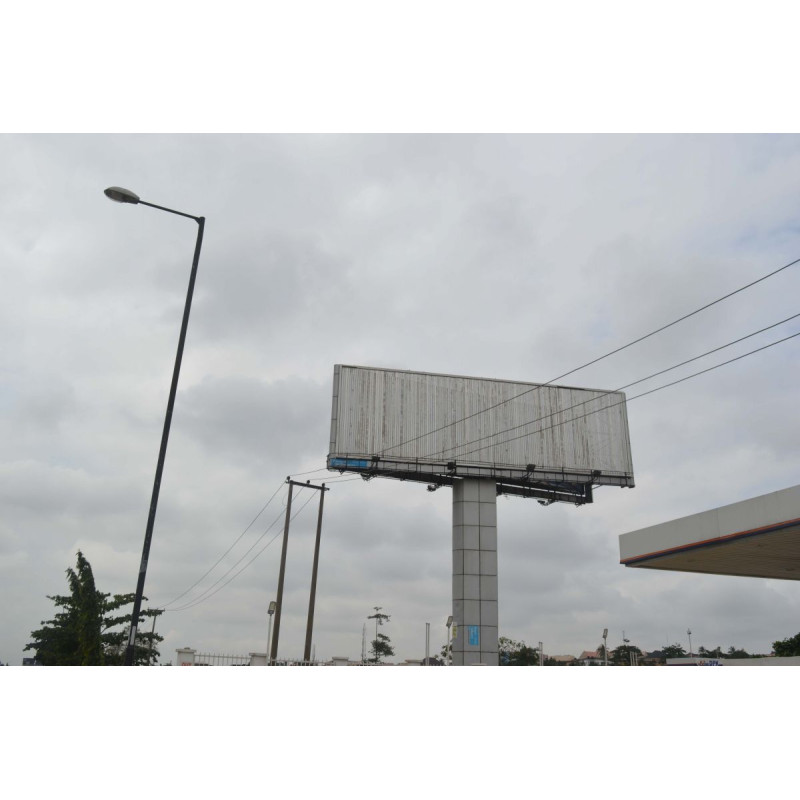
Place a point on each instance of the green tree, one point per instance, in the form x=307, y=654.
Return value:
x=711, y=653
x=787, y=647
x=381, y=646
x=735, y=652
x=622, y=654
x=145, y=648
x=673, y=651
x=81, y=633
x=516, y=654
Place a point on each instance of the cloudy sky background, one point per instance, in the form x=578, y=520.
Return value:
x=516, y=257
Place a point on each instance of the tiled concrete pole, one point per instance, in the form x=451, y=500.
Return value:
x=475, y=571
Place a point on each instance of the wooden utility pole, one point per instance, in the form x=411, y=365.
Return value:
x=311, y=600
x=279, y=600
x=156, y=612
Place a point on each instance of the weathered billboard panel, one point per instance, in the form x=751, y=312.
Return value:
x=533, y=439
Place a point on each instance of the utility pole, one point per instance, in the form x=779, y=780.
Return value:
x=279, y=600
x=156, y=612
x=312, y=598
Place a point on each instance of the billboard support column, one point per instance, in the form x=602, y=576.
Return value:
x=475, y=571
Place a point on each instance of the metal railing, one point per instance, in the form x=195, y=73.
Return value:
x=220, y=660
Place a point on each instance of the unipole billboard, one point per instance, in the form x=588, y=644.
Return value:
x=483, y=437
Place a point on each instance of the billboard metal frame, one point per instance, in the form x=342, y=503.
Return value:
x=546, y=483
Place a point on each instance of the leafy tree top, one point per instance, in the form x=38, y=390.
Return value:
x=516, y=654
x=378, y=617
x=673, y=651
x=787, y=647
x=80, y=634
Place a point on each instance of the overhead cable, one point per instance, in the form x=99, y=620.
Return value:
x=202, y=577
x=207, y=594
x=596, y=360
x=600, y=395
x=643, y=394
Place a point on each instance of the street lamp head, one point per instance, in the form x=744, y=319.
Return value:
x=272, y=606
x=120, y=195
x=449, y=621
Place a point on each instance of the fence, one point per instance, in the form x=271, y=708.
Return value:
x=220, y=660
x=187, y=657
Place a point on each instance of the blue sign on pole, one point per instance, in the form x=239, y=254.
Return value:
x=474, y=636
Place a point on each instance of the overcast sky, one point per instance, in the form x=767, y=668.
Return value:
x=514, y=257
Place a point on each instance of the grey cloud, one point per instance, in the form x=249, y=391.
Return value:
x=514, y=257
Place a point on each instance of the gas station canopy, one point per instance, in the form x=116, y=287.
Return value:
x=759, y=538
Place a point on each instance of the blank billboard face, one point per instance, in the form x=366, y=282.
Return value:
x=427, y=427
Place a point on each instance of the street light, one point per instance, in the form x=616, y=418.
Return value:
x=271, y=610
x=689, y=634
x=427, y=644
x=447, y=658
x=120, y=195
x=605, y=647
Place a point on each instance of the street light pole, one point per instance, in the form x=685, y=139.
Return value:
x=120, y=195
x=447, y=658
x=427, y=644
x=270, y=612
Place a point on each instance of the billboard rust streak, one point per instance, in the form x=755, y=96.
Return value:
x=549, y=442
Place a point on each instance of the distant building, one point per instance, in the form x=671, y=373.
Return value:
x=652, y=659
x=589, y=658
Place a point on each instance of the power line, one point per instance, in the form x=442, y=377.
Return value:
x=613, y=391
x=202, y=577
x=206, y=596
x=595, y=360
x=241, y=558
x=239, y=537
x=233, y=566
x=643, y=394
x=310, y=472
